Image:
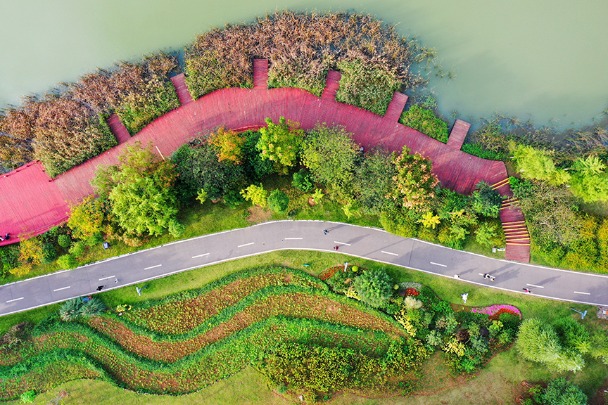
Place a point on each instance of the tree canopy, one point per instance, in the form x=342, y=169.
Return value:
x=281, y=143
x=414, y=182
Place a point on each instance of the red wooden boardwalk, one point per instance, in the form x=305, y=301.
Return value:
x=179, y=82
x=237, y=108
x=260, y=73
x=396, y=106
x=458, y=133
x=332, y=83
x=118, y=129
x=30, y=203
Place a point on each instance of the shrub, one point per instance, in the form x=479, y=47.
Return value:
x=64, y=241
x=78, y=307
x=67, y=261
x=49, y=253
x=278, y=200
x=366, y=85
x=86, y=219
x=374, y=287
x=302, y=180
x=425, y=121
x=562, y=392
x=485, y=200
x=176, y=228
x=256, y=194
x=78, y=249
x=28, y=397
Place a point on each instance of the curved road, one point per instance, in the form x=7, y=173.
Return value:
x=352, y=240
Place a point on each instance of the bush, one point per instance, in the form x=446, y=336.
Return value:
x=78, y=248
x=425, y=121
x=28, y=397
x=176, y=228
x=78, y=307
x=278, y=201
x=67, y=261
x=562, y=392
x=49, y=253
x=374, y=287
x=64, y=241
x=302, y=180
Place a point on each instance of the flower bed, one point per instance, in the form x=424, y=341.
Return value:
x=494, y=311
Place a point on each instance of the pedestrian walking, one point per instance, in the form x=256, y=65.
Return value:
x=336, y=247
x=325, y=231
x=115, y=280
x=527, y=290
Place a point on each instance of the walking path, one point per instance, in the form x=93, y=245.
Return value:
x=236, y=108
x=368, y=243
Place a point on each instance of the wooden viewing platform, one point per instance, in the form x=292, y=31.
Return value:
x=458, y=134
x=396, y=106
x=260, y=74
x=179, y=82
x=31, y=202
x=332, y=84
x=118, y=129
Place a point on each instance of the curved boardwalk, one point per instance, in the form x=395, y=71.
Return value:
x=237, y=108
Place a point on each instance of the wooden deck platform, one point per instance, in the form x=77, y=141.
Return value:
x=260, y=74
x=179, y=82
x=118, y=129
x=332, y=84
x=396, y=106
x=458, y=134
x=237, y=108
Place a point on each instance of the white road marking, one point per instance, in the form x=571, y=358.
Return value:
x=152, y=267
x=246, y=244
x=389, y=253
x=106, y=278
x=294, y=238
x=62, y=288
x=579, y=292
x=438, y=264
x=534, y=285
x=13, y=300
x=342, y=243
x=203, y=255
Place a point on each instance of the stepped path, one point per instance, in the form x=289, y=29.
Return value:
x=237, y=108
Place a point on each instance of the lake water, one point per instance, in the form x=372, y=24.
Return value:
x=542, y=59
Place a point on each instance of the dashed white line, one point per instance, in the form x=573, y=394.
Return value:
x=13, y=300
x=246, y=244
x=62, y=288
x=203, y=255
x=389, y=253
x=438, y=264
x=294, y=238
x=534, y=285
x=152, y=267
x=580, y=292
x=342, y=243
x=106, y=278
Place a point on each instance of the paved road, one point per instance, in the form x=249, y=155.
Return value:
x=352, y=240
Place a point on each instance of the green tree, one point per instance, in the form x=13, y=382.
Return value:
x=86, y=218
x=281, y=143
x=373, y=183
x=590, y=180
x=487, y=235
x=562, y=392
x=538, y=342
x=142, y=198
x=199, y=168
x=537, y=164
x=429, y=220
x=256, y=194
x=485, y=200
x=550, y=215
x=278, y=200
x=330, y=153
x=374, y=287
x=30, y=251
x=302, y=180
x=414, y=183
x=229, y=145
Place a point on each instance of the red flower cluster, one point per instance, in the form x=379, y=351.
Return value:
x=411, y=291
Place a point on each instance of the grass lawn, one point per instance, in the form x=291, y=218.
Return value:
x=498, y=382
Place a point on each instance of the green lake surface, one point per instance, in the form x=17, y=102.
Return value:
x=541, y=59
